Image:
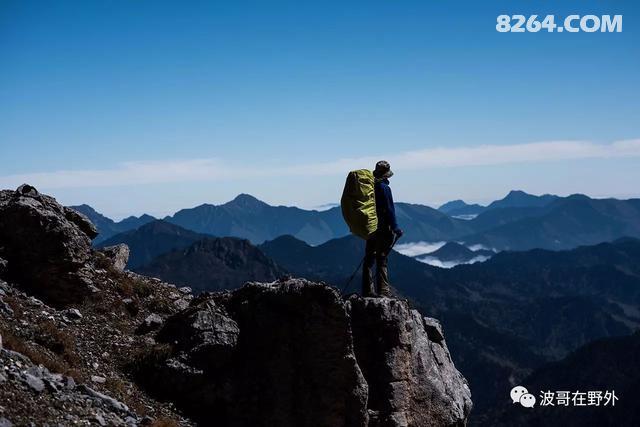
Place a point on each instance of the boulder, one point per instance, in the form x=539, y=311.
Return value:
x=267, y=354
x=204, y=333
x=46, y=244
x=118, y=254
x=294, y=353
x=150, y=323
x=412, y=379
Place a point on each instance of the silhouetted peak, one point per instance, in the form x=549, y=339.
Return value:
x=246, y=200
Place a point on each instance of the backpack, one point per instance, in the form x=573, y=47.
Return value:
x=358, y=203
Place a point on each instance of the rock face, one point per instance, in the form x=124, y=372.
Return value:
x=46, y=244
x=118, y=254
x=294, y=353
x=411, y=377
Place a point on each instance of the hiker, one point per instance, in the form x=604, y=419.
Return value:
x=379, y=244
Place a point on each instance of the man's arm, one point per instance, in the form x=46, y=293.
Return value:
x=390, y=209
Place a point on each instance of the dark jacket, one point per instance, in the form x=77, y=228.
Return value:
x=384, y=206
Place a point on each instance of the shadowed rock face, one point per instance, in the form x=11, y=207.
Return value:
x=46, y=244
x=294, y=353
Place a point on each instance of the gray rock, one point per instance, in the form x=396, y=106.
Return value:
x=45, y=244
x=185, y=290
x=100, y=419
x=103, y=398
x=35, y=302
x=69, y=383
x=150, y=323
x=288, y=343
x=313, y=358
x=34, y=382
x=118, y=254
x=82, y=222
x=5, y=422
x=6, y=310
x=205, y=333
x=181, y=304
x=72, y=313
x=98, y=379
x=412, y=379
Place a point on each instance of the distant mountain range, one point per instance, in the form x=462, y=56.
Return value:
x=249, y=218
x=183, y=257
x=519, y=221
x=151, y=240
x=515, y=199
x=214, y=264
x=108, y=227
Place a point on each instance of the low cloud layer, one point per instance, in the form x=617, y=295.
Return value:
x=198, y=170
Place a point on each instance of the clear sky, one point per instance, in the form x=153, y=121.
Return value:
x=151, y=106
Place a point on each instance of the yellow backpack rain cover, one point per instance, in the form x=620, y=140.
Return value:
x=358, y=203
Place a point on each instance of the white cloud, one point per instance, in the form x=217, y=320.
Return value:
x=450, y=264
x=195, y=170
x=418, y=248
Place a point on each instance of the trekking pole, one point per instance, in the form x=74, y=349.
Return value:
x=346, y=286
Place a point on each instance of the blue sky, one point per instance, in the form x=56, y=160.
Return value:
x=150, y=106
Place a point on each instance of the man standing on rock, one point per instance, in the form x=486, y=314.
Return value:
x=381, y=241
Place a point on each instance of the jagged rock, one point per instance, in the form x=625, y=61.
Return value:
x=103, y=398
x=277, y=354
x=5, y=309
x=412, y=379
x=118, y=254
x=72, y=313
x=181, y=304
x=46, y=244
x=314, y=360
x=98, y=379
x=205, y=333
x=150, y=323
x=34, y=382
x=82, y=222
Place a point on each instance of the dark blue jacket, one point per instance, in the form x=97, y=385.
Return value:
x=384, y=206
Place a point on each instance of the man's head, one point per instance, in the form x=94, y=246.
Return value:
x=383, y=170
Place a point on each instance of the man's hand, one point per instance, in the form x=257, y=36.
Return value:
x=398, y=233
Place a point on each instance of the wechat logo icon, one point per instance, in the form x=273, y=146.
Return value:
x=522, y=396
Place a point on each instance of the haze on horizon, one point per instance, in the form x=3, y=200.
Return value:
x=150, y=107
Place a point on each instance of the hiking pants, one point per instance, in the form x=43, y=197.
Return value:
x=376, y=252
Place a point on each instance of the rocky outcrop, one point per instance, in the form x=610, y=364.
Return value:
x=411, y=377
x=294, y=353
x=46, y=245
x=264, y=355
x=118, y=254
